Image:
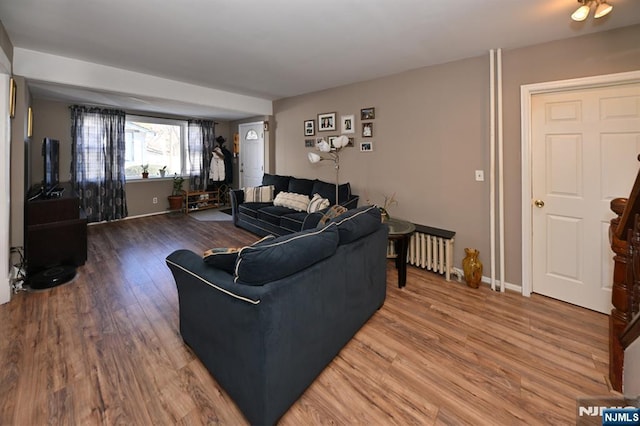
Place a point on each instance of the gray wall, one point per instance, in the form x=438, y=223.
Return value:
x=431, y=132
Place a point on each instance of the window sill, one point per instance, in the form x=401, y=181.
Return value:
x=151, y=179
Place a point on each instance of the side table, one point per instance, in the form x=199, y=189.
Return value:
x=400, y=232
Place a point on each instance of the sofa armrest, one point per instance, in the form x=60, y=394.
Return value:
x=237, y=197
x=312, y=220
x=351, y=203
x=190, y=271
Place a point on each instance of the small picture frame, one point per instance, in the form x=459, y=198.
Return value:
x=368, y=113
x=366, y=146
x=309, y=143
x=309, y=127
x=30, y=123
x=12, y=97
x=348, y=124
x=330, y=139
x=351, y=143
x=327, y=122
x=367, y=130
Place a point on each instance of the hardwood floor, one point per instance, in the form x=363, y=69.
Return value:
x=105, y=348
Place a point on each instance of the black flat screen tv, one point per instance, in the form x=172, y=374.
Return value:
x=51, y=160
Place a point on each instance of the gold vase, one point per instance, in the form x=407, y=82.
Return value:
x=472, y=268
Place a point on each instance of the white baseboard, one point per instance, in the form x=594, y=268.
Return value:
x=487, y=280
x=131, y=217
x=5, y=290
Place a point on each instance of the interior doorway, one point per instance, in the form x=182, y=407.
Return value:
x=251, y=154
x=582, y=141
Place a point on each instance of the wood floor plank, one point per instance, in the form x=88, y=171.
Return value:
x=105, y=348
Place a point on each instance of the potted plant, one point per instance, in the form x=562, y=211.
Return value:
x=145, y=171
x=175, y=199
x=163, y=171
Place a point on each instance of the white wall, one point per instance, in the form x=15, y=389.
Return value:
x=5, y=183
x=631, y=380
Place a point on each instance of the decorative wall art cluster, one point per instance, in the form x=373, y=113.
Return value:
x=327, y=122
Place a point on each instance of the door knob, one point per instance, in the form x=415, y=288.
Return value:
x=539, y=203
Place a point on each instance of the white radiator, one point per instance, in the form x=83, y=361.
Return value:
x=430, y=249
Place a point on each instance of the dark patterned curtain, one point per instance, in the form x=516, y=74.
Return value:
x=201, y=139
x=97, y=161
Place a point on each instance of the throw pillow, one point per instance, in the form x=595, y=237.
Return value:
x=284, y=256
x=298, y=202
x=225, y=258
x=317, y=203
x=222, y=258
x=333, y=212
x=258, y=194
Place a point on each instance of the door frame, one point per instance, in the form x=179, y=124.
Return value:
x=253, y=123
x=526, y=93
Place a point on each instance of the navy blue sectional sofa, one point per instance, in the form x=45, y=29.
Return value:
x=267, y=329
x=265, y=218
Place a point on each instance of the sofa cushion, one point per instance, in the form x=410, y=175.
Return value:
x=273, y=214
x=301, y=186
x=258, y=194
x=284, y=256
x=251, y=209
x=357, y=223
x=293, y=221
x=317, y=203
x=281, y=183
x=295, y=201
x=328, y=191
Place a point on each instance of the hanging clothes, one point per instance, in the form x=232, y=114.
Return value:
x=217, y=169
x=228, y=164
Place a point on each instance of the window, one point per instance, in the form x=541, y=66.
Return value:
x=156, y=142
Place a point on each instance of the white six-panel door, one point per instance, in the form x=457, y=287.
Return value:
x=584, y=153
x=251, y=154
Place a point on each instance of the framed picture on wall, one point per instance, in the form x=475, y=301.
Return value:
x=348, y=124
x=367, y=130
x=326, y=121
x=309, y=127
x=366, y=146
x=12, y=98
x=367, y=113
x=309, y=143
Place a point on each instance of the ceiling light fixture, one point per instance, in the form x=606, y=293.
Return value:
x=602, y=8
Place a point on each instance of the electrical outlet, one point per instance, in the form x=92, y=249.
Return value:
x=479, y=175
x=155, y=200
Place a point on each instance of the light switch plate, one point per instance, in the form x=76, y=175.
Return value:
x=479, y=175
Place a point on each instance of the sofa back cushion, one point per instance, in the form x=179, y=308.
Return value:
x=280, y=183
x=284, y=256
x=301, y=186
x=357, y=223
x=328, y=191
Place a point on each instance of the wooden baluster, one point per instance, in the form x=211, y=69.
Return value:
x=619, y=314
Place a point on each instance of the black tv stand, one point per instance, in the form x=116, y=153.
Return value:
x=55, y=232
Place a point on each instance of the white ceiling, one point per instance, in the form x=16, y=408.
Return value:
x=281, y=48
